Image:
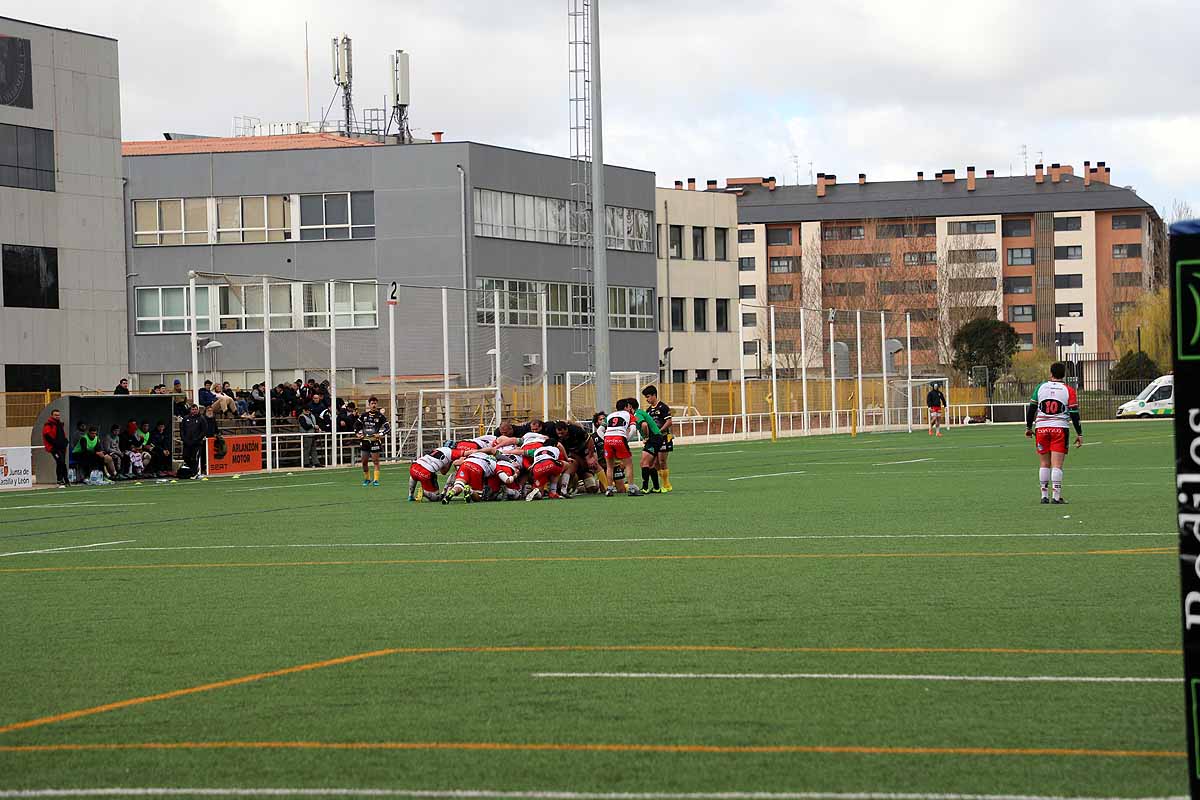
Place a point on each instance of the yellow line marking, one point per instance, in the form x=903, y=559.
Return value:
x=682, y=648
x=607, y=748
x=551, y=559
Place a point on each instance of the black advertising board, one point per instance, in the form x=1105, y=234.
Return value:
x=16, y=72
x=1185, y=328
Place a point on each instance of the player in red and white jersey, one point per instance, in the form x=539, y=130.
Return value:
x=424, y=472
x=617, y=430
x=476, y=472
x=509, y=468
x=466, y=446
x=547, y=466
x=1052, y=410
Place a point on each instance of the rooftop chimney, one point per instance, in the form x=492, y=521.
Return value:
x=970, y=179
x=710, y=186
x=1087, y=174
x=920, y=176
x=1038, y=176
x=830, y=179
x=437, y=136
x=691, y=184
x=771, y=183
x=862, y=179
x=991, y=173
x=947, y=176
x=679, y=185
x=744, y=181
x=1055, y=172
x=820, y=184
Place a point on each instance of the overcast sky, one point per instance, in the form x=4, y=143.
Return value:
x=704, y=89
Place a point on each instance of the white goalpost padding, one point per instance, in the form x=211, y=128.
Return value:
x=577, y=380
x=476, y=408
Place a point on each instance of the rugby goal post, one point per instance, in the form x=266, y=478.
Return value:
x=456, y=413
x=583, y=384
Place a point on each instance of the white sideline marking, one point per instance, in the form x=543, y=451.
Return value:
x=821, y=676
x=60, y=549
x=910, y=461
x=768, y=475
x=273, y=488
x=720, y=453
x=479, y=794
x=481, y=542
x=77, y=504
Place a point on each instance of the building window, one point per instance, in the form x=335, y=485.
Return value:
x=850, y=289
x=677, y=314
x=522, y=217
x=165, y=309
x=30, y=276
x=779, y=292
x=1070, y=338
x=721, y=244
x=972, y=284
x=920, y=258
x=1022, y=313
x=907, y=287
x=1018, y=285
x=1068, y=309
x=32, y=378
x=745, y=235
x=1127, y=251
x=779, y=236
x=923, y=314
x=335, y=215
x=698, y=244
x=834, y=233
x=1016, y=227
x=700, y=314
x=259, y=219
x=27, y=158
x=1026, y=340
x=722, y=315
x=1121, y=307
x=1068, y=223
x=1127, y=279
x=1126, y=222
x=676, y=245
x=921, y=343
x=750, y=348
x=631, y=308
x=658, y=241
x=1068, y=281
x=747, y=292
x=168, y=222
x=981, y=256
x=749, y=319
x=1072, y=252
x=905, y=231
x=746, y=264
x=856, y=260
x=1020, y=256
x=971, y=228
x=567, y=304
x=778, y=264
x=724, y=374
x=702, y=376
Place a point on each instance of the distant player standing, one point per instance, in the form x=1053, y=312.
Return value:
x=1053, y=407
x=660, y=412
x=936, y=401
x=371, y=428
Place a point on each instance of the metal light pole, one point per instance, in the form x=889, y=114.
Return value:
x=267, y=368
x=394, y=421
x=599, y=226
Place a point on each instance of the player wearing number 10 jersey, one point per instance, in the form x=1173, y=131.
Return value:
x=1053, y=408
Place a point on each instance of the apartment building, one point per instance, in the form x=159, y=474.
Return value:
x=62, y=297
x=698, y=282
x=307, y=209
x=1057, y=254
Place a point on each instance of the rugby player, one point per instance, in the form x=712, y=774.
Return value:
x=936, y=401
x=580, y=457
x=371, y=427
x=424, y=472
x=476, y=473
x=1052, y=409
x=470, y=445
x=660, y=412
x=617, y=430
x=651, y=441
x=547, y=467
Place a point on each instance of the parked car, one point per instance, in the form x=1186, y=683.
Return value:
x=1156, y=400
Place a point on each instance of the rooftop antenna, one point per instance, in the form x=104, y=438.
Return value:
x=307, y=85
x=1024, y=152
x=343, y=76
x=398, y=62
x=796, y=167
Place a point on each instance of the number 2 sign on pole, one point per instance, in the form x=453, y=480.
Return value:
x=392, y=299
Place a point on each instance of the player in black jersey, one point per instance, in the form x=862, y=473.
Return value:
x=371, y=428
x=663, y=444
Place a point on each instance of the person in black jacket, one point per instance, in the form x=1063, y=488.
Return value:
x=191, y=433
x=160, y=449
x=122, y=386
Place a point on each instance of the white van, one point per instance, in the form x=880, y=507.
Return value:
x=1156, y=400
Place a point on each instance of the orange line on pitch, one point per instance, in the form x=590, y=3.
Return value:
x=605, y=748
x=535, y=559
x=682, y=648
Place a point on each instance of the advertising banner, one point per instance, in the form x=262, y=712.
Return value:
x=16, y=468
x=232, y=454
x=16, y=73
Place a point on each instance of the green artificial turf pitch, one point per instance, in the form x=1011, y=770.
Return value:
x=888, y=554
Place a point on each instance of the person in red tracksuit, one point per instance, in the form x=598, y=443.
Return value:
x=54, y=439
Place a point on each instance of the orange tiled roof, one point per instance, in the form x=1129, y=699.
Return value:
x=243, y=144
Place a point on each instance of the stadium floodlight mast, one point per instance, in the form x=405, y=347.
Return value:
x=599, y=222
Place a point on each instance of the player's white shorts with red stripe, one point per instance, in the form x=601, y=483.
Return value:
x=616, y=447
x=424, y=477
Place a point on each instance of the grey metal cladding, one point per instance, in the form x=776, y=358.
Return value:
x=932, y=198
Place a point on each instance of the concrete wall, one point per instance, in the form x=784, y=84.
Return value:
x=75, y=94
x=419, y=230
